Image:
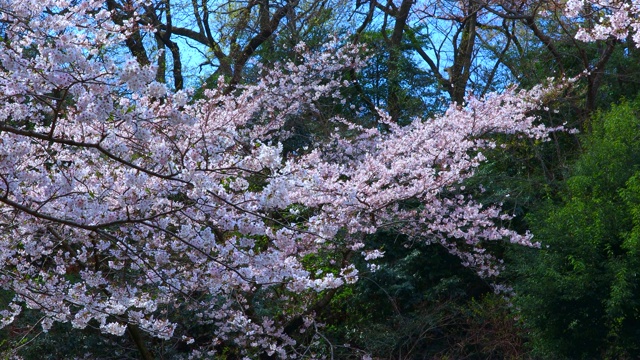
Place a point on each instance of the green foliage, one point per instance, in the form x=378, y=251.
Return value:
x=25, y=339
x=416, y=89
x=420, y=304
x=579, y=293
x=621, y=75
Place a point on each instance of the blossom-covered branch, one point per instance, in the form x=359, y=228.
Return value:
x=123, y=203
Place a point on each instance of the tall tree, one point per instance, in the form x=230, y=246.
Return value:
x=224, y=35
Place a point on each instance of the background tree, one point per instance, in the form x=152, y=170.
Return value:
x=225, y=34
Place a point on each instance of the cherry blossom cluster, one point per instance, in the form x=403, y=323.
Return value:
x=614, y=18
x=411, y=179
x=124, y=204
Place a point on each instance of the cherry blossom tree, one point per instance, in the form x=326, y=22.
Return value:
x=124, y=204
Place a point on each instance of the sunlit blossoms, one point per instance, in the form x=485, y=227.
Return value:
x=127, y=206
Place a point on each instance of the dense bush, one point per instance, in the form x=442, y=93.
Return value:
x=579, y=293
